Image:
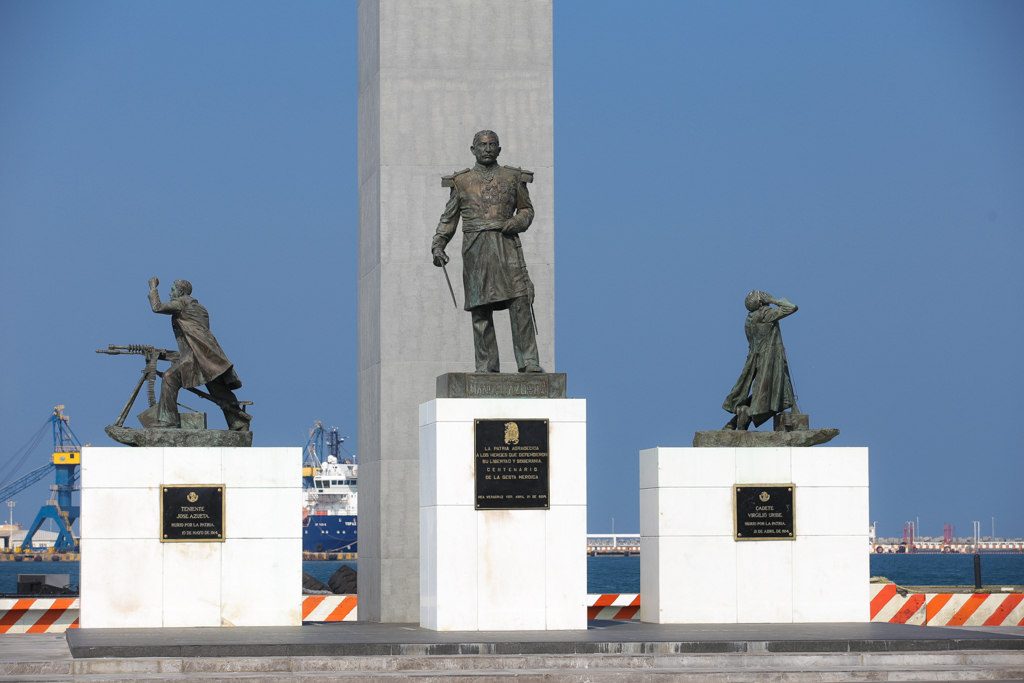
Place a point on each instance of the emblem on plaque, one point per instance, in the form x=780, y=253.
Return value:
x=511, y=433
x=193, y=497
x=764, y=496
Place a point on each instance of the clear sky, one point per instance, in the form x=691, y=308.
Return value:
x=864, y=159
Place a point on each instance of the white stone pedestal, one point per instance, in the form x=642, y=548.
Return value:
x=501, y=570
x=130, y=579
x=693, y=571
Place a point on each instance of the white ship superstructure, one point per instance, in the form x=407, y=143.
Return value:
x=334, y=490
x=330, y=495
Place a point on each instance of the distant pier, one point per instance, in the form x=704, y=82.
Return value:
x=332, y=557
x=613, y=545
x=41, y=556
x=995, y=547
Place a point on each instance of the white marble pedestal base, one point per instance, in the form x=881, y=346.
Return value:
x=501, y=570
x=693, y=571
x=129, y=579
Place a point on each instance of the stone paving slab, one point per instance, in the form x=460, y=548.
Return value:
x=37, y=646
x=602, y=637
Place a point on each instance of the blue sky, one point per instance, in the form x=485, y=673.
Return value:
x=864, y=159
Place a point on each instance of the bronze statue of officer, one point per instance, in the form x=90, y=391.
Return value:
x=495, y=208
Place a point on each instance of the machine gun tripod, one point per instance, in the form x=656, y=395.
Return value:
x=118, y=431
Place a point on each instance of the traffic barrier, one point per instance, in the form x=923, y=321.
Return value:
x=329, y=607
x=38, y=615
x=613, y=606
x=344, y=607
x=54, y=615
x=945, y=609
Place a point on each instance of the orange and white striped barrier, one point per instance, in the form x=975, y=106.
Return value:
x=329, y=607
x=344, y=607
x=613, y=606
x=945, y=609
x=54, y=615
x=38, y=615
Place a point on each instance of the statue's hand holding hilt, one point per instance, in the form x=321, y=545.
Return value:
x=154, y=282
x=511, y=227
x=440, y=258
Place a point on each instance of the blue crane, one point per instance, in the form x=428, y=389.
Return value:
x=67, y=458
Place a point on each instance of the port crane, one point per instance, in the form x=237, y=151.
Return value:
x=313, y=453
x=67, y=459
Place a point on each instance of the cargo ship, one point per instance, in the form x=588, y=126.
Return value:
x=330, y=494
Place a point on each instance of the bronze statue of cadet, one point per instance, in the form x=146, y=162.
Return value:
x=495, y=207
x=201, y=360
x=764, y=387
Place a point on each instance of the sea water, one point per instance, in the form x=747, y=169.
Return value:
x=9, y=571
x=949, y=570
x=622, y=574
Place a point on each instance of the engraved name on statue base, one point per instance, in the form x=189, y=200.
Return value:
x=501, y=385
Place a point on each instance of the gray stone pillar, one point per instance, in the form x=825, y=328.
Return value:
x=431, y=74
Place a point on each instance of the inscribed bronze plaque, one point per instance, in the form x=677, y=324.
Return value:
x=764, y=512
x=511, y=464
x=192, y=513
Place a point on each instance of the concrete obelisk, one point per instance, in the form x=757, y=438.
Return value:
x=431, y=74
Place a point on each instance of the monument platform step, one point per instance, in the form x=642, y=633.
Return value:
x=620, y=637
x=612, y=652
x=741, y=667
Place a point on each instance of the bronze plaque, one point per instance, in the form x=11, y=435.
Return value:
x=764, y=512
x=192, y=514
x=511, y=464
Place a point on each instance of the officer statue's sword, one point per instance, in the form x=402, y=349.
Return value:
x=448, y=280
x=522, y=260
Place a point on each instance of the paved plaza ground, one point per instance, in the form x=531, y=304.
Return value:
x=606, y=651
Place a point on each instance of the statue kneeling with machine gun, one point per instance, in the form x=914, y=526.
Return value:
x=198, y=361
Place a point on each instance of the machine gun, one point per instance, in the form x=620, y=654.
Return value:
x=150, y=373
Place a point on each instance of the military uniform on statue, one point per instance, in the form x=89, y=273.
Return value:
x=495, y=207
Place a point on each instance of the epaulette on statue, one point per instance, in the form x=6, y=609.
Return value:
x=449, y=180
x=525, y=176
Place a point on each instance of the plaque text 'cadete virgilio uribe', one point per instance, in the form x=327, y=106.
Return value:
x=511, y=464
x=192, y=513
x=764, y=513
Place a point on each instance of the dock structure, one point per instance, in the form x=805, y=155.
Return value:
x=613, y=545
x=40, y=556
x=994, y=547
x=308, y=556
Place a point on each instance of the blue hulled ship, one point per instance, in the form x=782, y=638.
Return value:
x=330, y=493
